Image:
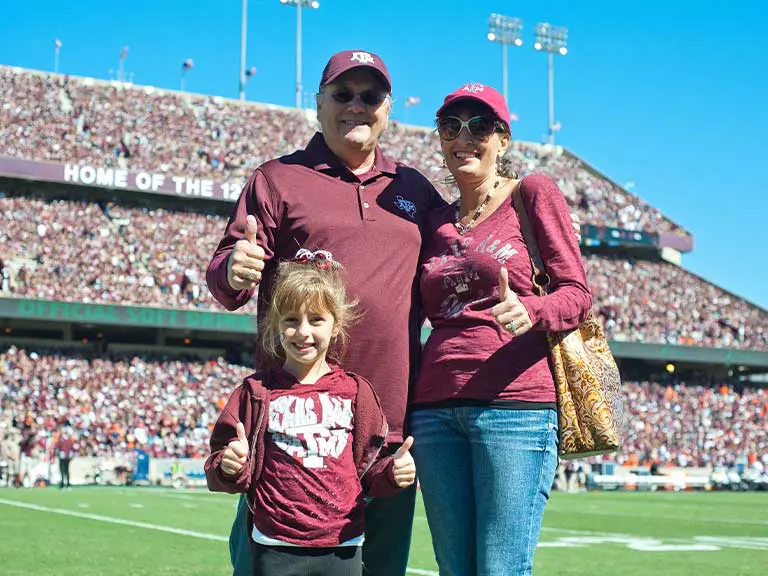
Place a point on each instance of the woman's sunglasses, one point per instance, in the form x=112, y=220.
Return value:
x=367, y=97
x=479, y=127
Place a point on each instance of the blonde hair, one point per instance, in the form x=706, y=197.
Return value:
x=322, y=290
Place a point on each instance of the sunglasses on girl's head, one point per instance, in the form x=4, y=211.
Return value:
x=479, y=127
x=368, y=97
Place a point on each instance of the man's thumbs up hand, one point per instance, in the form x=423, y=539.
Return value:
x=236, y=453
x=403, y=466
x=251, y=228
x=510, y=312
x=246, y=262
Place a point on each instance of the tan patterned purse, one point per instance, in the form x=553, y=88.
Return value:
x=589, y=401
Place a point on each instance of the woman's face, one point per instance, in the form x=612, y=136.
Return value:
x=471, y=156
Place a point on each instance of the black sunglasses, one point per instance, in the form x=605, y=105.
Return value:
x=479, y=127
x=367, y=97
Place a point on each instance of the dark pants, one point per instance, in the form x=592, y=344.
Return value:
x=388, y=525
x=64, y=470
x=292, y=561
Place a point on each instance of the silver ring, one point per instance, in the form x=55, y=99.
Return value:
x=510, y=326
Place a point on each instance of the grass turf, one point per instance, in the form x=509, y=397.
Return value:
x=149, y=531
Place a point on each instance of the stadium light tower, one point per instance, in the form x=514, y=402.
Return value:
x=314, y=4
x=56, y=51
x=552, y=40
x=506, y=31
x=243, y=43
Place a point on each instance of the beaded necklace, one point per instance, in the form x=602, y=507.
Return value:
x=463, y=228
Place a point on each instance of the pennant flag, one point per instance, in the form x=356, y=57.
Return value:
x=250, y=72
x=412, y=101
x=124, y=53
x=58, y=44
x=187, y=65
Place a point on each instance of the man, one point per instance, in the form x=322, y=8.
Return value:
x=343, y=195
x=65, y=450
x=10, y=454
x=26, y=454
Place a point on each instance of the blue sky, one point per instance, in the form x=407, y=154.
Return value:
x=668, y=95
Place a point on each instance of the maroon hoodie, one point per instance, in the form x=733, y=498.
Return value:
x=316, y=505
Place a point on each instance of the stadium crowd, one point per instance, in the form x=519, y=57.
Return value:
x=694, y=425
x=167, y=407
x=657, y=302
x=105, y=253
x=109, y=253
x=85, y=121
x=164, y=406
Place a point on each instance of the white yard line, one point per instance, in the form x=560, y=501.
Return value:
x=620, y=514
x=176, y=494
x=111, y=520
x=148, y=526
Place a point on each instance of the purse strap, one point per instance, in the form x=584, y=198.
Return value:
x=540, y=278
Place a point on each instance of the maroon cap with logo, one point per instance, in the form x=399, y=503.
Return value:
x=479, y=93
x=348, y=59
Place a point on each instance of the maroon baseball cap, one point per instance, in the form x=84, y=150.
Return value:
x=479, y=93
x=348, y=59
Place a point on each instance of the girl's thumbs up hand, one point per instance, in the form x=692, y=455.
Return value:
x=236, y=453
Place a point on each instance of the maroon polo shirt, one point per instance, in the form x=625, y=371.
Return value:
x=372, y=225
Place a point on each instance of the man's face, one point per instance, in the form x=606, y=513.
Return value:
x=353, y=124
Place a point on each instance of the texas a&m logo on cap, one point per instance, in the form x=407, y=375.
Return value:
x=473, y=88
x=362, y=57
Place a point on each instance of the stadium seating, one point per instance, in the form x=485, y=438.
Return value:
x=167, y=407
x=130, y=255
x=105, y=252
x=689, y=424
x=657, y=302
x=64, y=119
x=115, y=404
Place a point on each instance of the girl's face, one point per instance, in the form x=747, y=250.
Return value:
x=306, y=335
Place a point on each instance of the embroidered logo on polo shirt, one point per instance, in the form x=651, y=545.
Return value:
x=406, y=206
x=362, y=57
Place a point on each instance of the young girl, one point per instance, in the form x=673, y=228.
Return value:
x=303, y=441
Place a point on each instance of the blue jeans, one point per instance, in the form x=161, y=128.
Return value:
x=485, y=476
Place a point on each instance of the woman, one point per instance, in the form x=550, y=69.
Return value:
x=483, y=411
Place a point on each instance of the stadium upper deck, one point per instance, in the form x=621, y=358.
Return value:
x=60, y=249
x=63, y=119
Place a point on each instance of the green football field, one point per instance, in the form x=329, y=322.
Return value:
x=154, y=531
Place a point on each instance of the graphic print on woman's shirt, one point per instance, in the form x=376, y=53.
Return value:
x=467, y=269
